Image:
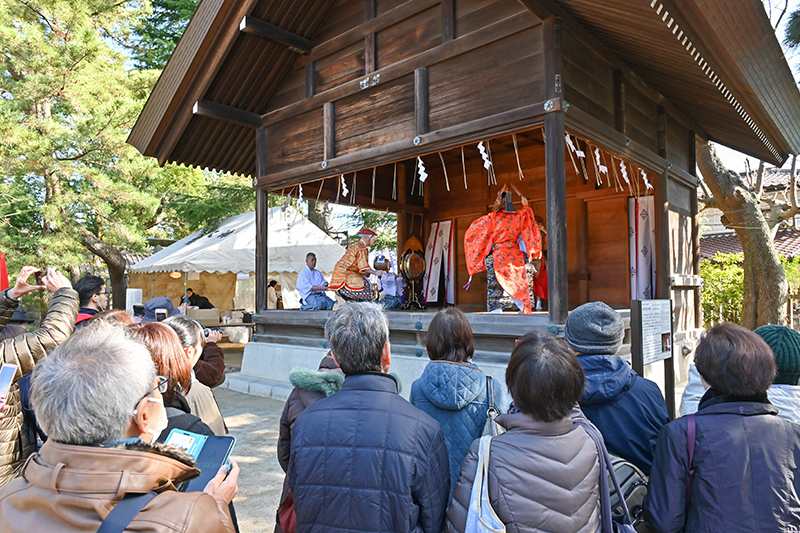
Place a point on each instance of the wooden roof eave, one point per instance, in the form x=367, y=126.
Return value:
x=189, y=71
x=751, y=97
x=759, y=106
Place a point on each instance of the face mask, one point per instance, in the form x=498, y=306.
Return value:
x=164, y=422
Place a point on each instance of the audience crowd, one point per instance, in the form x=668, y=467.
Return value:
x=84, y=423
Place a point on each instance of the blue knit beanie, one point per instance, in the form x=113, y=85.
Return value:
x=594, y=328
x=785, y=344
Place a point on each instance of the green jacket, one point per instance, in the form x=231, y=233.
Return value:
x=25, y=350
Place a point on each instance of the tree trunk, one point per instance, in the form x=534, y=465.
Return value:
x=115, y=262
x=318, y=215
x=765, y=287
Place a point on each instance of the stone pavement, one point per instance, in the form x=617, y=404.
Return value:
x=255, y=422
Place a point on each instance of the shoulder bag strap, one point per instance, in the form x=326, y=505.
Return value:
x=124, y=512
x=691, y=434
x=606, y=518
x=490, y=393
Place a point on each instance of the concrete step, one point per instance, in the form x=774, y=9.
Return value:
x=277, y=390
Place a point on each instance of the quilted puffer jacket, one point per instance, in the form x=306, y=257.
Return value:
x=627, y=409
x=25, y=351
x=364, y=459
x=543, y=478
x=455, y=395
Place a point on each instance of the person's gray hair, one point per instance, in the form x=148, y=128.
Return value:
x=85, y=392
x=356, y=333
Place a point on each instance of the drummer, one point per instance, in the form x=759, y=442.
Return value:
x=390, y=284
x=351, y=273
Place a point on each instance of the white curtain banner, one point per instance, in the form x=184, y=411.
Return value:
x=439, y=256
x=642, y=232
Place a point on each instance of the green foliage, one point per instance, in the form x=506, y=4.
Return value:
x=157, y=35
x=219, y=199
x=383, y=223
x=67, y=103
x=723, y=286
x=792, y=36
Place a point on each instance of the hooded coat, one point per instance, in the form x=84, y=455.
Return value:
x=628, y=410
x=364, y=459
x=455, y=395
x=309, y=387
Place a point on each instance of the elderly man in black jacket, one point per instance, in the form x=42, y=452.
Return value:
x=364, y=459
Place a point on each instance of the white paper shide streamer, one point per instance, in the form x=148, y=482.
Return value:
x=487, y=163
x=603, y=169
x=572, y=147
x=345, y=190
x=300, y=193
x=644, y=178
x=423, y=175
x=624, y=171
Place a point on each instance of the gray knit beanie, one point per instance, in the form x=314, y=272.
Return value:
x=594, y=328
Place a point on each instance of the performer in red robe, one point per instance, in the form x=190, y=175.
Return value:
x=498, y=234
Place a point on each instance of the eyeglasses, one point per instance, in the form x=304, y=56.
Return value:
x=162, y=386
x=102, y=293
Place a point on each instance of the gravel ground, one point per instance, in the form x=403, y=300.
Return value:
x=254, y=421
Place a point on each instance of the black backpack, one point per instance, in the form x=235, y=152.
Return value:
x=633, y=484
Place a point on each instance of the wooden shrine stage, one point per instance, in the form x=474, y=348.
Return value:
x=286, y=339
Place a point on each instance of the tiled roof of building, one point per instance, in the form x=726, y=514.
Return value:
x=787, y=244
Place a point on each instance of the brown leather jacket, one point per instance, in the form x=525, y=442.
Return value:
x=25, y=350
x=66, y=488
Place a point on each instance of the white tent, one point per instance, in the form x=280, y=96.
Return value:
x=231, y=249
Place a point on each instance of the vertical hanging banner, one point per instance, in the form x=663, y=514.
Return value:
x=439, y=257
x=642, y=232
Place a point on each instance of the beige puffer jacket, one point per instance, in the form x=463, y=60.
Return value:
x=25, y=350
x=543, y=477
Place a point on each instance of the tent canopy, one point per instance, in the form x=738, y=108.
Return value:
x=232, y=247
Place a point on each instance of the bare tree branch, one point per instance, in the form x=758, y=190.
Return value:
x=759, y=189
x=793, y=210
x=783, y=12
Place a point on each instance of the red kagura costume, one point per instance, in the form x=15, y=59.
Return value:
x=499, y=233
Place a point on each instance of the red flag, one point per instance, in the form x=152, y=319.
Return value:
x=3, y=272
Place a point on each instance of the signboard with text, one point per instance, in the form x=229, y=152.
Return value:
x=651, y=332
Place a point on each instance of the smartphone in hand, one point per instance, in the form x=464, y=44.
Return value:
x=7, y=373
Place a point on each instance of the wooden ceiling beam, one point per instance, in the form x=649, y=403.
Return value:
x=265, y=30
x=240, y=117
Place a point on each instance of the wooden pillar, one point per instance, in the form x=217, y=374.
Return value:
x=698, y=308
x=370, y=59
x=663, y=265
x=328, y=131
x=262, y=212
x=555, y=179
x=421, y=109
x=583, y=252
x=311, y=79
x=619, y=102
x=448, y=20
x=661, y=201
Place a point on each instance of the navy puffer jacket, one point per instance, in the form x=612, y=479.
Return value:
x=454, y=394
x=746, y=481
x=627, y=409
x=366, y=460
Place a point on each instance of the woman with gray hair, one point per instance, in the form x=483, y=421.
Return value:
x=99, y=400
